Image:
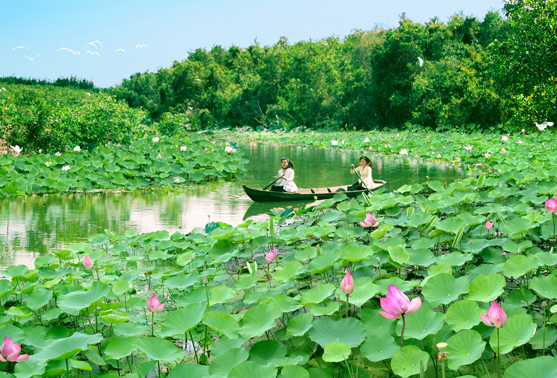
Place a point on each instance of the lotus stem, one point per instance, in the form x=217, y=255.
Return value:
x=553, y=225
x=347, y=304
x=497, y=352
x=194, y=349
x=153, y=324
x=402, y=331
x=67, y=369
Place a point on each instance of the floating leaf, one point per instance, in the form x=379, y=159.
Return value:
x=463, y=315
x=259, y=319
x=421, y=323
x=464, y=348
x=299, y=325
x=380, y=347
x=545, y=286
x=336, y=352
x=183, y=320
x=159, y=349
x=349, y=331
x=406, y=361
x=486, y=288
x=540, y=367
x=444, y=288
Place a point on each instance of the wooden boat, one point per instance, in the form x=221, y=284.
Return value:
x=259, y=195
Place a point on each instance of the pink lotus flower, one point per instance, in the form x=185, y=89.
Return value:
x=523, y=130
x=488, y=225
x=520, y=141
x=495, y=316
x=551, y=205
x=438, y=155
x=504, y=138
x=177, y=181
x=58, y=153
x=503, y=150
x=206, y=148
x=155, y=139
x=370, y=148
x=370, y=221
x=487, y=155
x=159, y=156
x=153, y=304
x=40, y=151
x=270, y=256
x=427, y=137
x=347, y=284
x=87, y=262
x=10, y=351
x=397, y=303
x=468, y=147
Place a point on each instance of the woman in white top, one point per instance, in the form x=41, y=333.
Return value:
x=286, y=174
x=364, y=169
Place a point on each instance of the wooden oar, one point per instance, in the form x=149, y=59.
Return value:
x=278, y=178
x=363, y=183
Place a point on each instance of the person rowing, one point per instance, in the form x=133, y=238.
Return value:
x=364, y=172
x=286, y=175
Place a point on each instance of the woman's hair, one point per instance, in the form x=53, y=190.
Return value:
x=290, y=164
x=368, y=162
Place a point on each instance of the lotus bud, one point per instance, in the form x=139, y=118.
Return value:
x=488, y=225
x=551, y=205
x=495, y=316
x=347, y=284
x=87, y=262
x=270, y=256
x=153, y=304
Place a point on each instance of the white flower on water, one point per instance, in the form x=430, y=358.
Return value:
x=183, y=148
x=47, y=163
x=404, y=151
x=17, y=149
x=155, y=139
x=77, y=148
x=542, y=126
x=230, y=149
x=334, y=142
x=504, y=138
x=66, y=168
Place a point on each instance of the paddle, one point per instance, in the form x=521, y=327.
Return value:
x=278, y=178
x=363, y=183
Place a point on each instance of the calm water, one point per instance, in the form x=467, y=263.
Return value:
x=35, y=225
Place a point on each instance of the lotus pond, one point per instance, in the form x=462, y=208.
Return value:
x=316, y=292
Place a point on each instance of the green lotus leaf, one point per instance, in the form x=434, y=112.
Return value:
x=329, y=309
x=64, y=348
x=324, y=262
x=463, y=315
x=223, y=323
x=248, y=369
x=547, y=259
x=355, y=253
x=421, y=323
x=545, y=286
x=294, y=371
x=518, y=265
x=120, y=287
x=380, y=347
x=421, y=257
x=486, y=288
x=189, y=370
x=259, y=319
x=349, y=331
x=24, y=370
x=398, y=254
x=450, y=225
x=336, y=352
x=514, y=247
x=376, y=324
x=518, y=330
x=516, y=227
x=299, y=325
x=406, y=361
x=39, y=298
x=538, y=341
x=130, y=329
x=266, y=350
x=287, y=272
x=540, y=367
x=221, y=365
x=245, y=283
x=364, y=290
x=464, y=348
x=317, y=295
x=454, y=259
x=285, y=303
x=225, y=344
x=474, y=246
x=470, y=220
x=159, y=349
x=182, y=281
x=444, y=288
x=120, y=348
x=403, y=285
x=220, y=294
x=72, y=303
x=183, y=320
x=318, y=372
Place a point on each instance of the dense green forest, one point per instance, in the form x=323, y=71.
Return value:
x=475, y=74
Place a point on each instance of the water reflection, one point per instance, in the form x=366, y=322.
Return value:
x=34, y=225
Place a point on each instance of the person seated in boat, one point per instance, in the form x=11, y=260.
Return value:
x=286, y=174
x=364, y=170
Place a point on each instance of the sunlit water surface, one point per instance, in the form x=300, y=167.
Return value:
x=34, y=225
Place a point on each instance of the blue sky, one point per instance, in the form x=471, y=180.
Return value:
x=172, y=28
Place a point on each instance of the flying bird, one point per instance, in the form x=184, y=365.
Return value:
x=421, y=61
x=121, y=50
x=93, y=53
x=20, y=47
x=31, y=59
x=140, y=46
x=73, y=52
